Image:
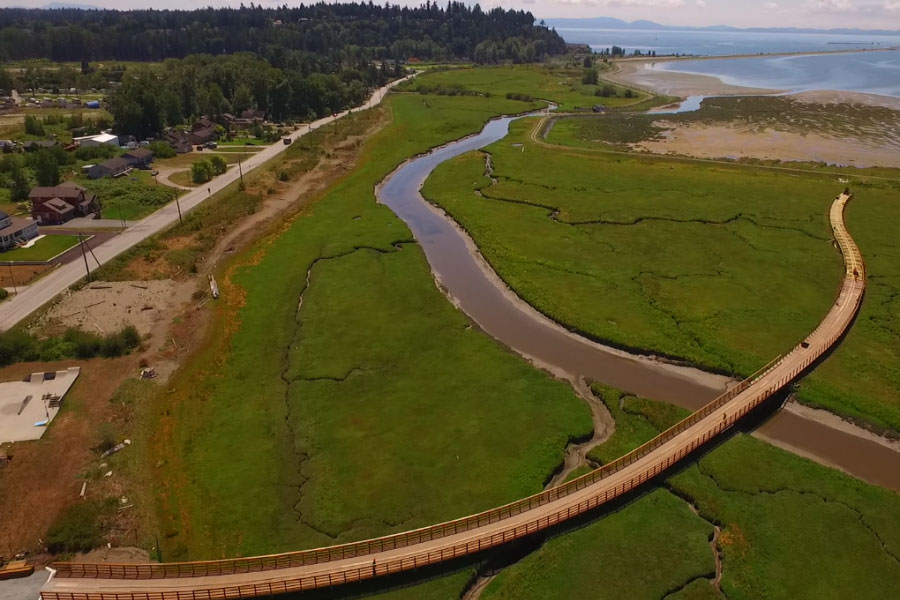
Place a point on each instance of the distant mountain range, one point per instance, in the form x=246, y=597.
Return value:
x=612, y=23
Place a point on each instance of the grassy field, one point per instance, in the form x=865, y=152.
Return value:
x=560, y=85
x=343, y=418
x=789, y=528
x=650, y=548
x=131, y=197
x=44, y=249
x=723, y=266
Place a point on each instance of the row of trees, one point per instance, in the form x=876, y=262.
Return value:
x=342, y=33
x=153, y=98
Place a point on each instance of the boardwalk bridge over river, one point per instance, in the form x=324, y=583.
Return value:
x=324, y=567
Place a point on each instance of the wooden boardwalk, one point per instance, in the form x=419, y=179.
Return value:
x=324, y=567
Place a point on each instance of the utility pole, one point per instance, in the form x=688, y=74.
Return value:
x=178, y=205
x=13, y=279
x=84, y=255
x=241, y=171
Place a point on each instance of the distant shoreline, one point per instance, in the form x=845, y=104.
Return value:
x=638, y=72
x=757, y=55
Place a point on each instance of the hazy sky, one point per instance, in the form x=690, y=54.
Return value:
x=870, y=14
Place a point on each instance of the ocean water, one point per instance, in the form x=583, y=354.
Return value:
x=869, y=72
x=721, y=43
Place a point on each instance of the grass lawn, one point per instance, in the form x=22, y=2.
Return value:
x=561, y=85
x=130, y=197
x=790, y=529
x=723, y=266
x=184, y=161
x=182, y=178
x=245, y=141
x=44, y=249
x=348, y=418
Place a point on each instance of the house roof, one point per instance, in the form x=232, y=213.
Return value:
x=60, y=191
x=71, y=185
x=139, y=153
x=204, y=132
x=114, y=164
x=17, y=224
x=58, y=206
x=3, y=215
x=100, y=138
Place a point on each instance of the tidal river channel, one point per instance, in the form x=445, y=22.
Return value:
x=478, y=291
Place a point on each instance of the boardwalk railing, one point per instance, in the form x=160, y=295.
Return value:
x=852, y=286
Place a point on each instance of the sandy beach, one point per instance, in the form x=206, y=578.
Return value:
x=643, y=74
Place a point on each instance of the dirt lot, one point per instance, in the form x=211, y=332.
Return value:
x=21, y=274
x=109, y=306
x=739, y=141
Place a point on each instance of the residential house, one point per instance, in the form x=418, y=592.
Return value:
x=58, y=204
x=139, y=158
x=33, y=146
x=202, y=131
x=179, y=142
x=14, y=231
x=114, y=167
x=100, y=139
x=254, y=115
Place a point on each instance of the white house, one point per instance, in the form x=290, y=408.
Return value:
x=14, y=230
x=98, y=140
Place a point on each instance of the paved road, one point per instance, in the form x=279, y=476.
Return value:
x=36, y=295
x=324, y=567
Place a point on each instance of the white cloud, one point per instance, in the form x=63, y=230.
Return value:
x=701, y=3
x=829, y=6
x=891, y=5
x=770, y=5
x=626, y=3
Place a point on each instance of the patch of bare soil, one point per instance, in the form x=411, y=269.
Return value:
x=737, y=140
x=21, y=274
x=109, y=306
x=120, y=555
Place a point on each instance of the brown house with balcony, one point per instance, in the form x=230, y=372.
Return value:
x=58, y=204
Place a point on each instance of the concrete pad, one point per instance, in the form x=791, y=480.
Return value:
x=24, y=588
x=24, y=403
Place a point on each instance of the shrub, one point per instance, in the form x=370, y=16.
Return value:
x=161, y=150
x=34, y=126
x=101, y=152
x=84, y=345
x=79, y=527
x=606, y=91
x=589, y=77
x=519, y=96
x=201, y=171
x=3, y=294
x=218, y=164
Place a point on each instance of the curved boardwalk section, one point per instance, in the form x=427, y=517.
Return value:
x=324, y=567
